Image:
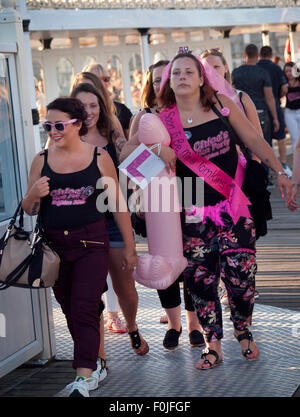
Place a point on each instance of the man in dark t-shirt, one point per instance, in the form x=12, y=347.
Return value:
x=256, y=82
x=279, y=87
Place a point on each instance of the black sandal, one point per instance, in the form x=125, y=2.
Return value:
x=204, y=355
x=136, y=342
x=246, y=353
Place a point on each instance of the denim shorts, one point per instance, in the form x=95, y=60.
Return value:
x=115, y=236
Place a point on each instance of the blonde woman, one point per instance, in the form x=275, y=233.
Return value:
x=123, y=113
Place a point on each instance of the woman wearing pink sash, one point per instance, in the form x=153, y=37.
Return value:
x=219, y=235
x=223, y=243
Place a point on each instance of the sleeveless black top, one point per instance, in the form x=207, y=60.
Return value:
x=293, y=98
x=111, y=150
x=212, y=141
x=72, y=198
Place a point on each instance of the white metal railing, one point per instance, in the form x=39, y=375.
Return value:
x=157, y=4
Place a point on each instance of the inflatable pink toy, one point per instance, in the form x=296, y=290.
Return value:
x=165, y=261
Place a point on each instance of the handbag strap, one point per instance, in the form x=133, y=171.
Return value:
x=16, y=274
x=19, y=210
x=233, y=135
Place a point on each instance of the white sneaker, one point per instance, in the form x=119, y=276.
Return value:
x=98, y=375
x=80, y=387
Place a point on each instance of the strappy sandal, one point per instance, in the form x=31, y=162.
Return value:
x=246, y=353
x=204, y=355
x=137, y=343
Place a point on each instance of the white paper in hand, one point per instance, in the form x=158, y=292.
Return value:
x=141, y=166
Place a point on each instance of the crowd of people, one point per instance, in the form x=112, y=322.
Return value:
x=201, y=105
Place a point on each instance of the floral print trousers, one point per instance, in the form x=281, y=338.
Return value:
x=226, y=252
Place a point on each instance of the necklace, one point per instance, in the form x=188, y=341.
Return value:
x=190, y=120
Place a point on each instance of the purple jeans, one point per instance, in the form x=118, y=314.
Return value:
x=83, y=271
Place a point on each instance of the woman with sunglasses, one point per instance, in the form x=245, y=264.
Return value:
x=101, y=133
x=222, y=242
x=63, y=184
x=123, y=113
x=170, y=298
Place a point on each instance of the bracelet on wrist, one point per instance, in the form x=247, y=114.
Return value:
x=279, y=173
x=158, y=146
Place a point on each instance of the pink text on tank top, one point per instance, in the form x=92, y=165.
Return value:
x=70, y=196
x=293, y=96
x=213, y=145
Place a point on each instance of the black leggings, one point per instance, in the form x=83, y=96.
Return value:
x=170, y=297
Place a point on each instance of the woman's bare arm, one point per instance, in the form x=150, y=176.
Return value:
x=37, y=188
x=252, y=116
x=256, y=143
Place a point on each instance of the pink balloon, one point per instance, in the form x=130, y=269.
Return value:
x=165, y=261
x=152, y=130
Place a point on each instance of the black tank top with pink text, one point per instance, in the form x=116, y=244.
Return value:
x=212, y=141
x=72, y=199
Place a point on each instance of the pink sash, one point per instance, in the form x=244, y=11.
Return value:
x=214, y=176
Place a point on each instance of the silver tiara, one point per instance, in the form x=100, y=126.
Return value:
x=184, y=50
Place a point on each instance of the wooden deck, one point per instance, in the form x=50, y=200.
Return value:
x=278, y=257
x=278, y=283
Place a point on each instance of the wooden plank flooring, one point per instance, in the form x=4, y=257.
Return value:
x=278, y=283
x=278, y=257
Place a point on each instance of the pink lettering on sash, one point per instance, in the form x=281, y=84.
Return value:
x=214, y=176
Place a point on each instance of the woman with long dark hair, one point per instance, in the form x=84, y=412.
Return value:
x=101, y=133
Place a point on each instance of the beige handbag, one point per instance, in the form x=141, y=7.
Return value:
x=27, y=259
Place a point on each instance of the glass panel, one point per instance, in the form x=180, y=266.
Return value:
x=136, y=78
x=110, y=40
x=64, y=74
x=114, y=67
x=59, y=43
x=8, y=177
x=87, y=42
x=157, y=38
